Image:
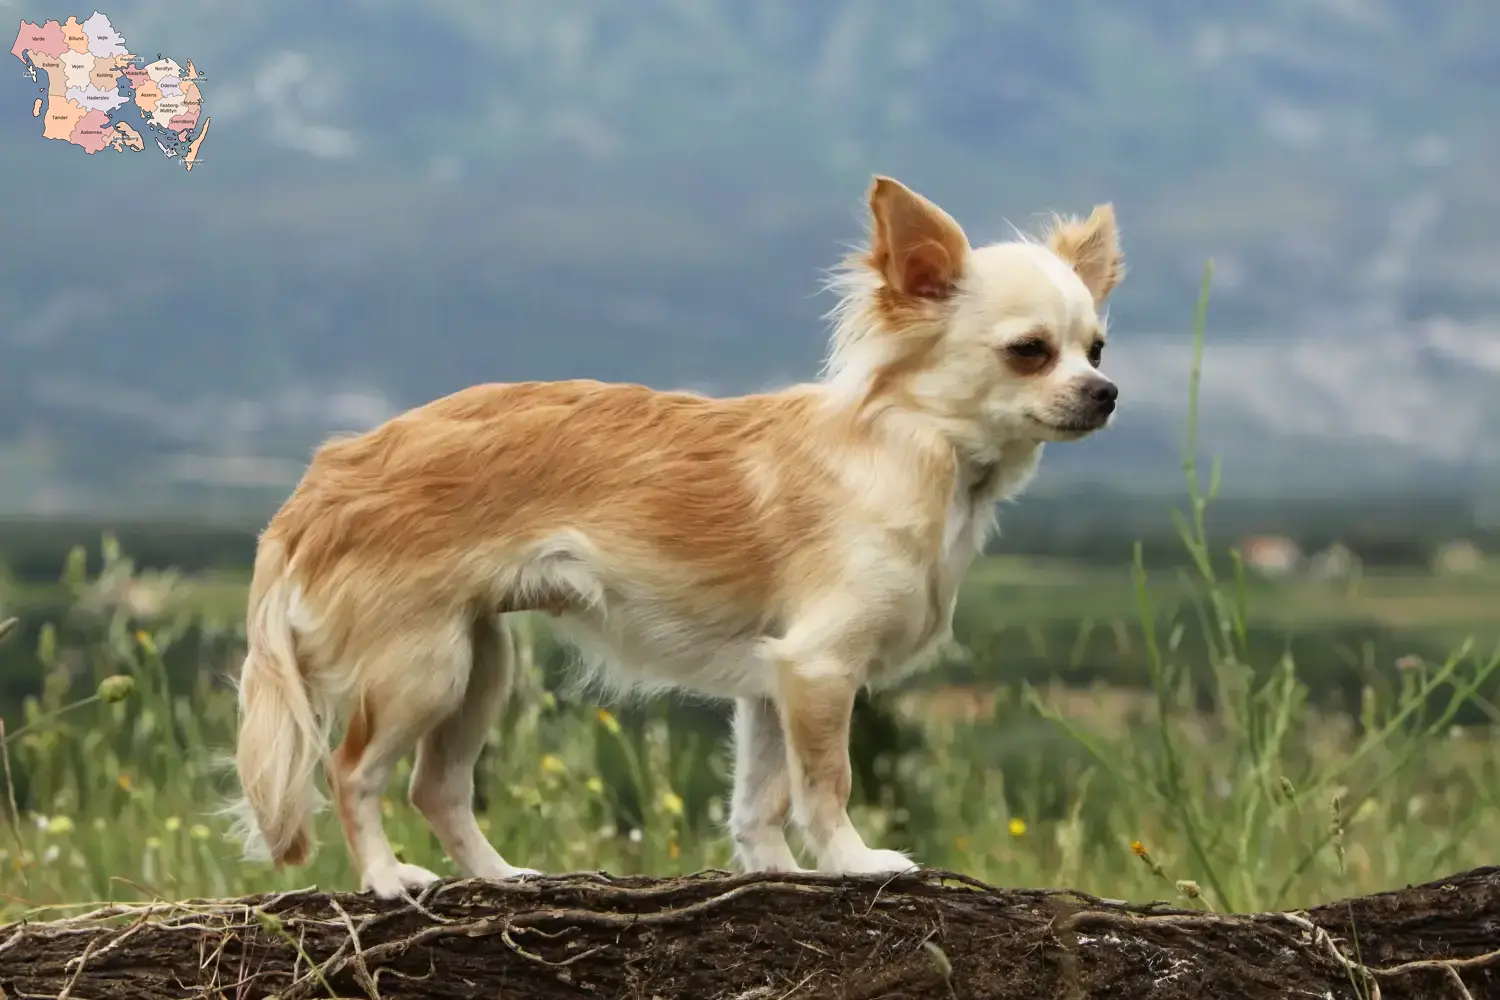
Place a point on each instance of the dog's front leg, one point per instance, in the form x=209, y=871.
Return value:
x=762, y=789
x=815, y=698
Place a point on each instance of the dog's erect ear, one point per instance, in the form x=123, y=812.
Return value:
x=1092, y=246
x=916, y=246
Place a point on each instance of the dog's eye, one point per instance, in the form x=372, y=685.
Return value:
x=1029, y=349
x=1096, y=353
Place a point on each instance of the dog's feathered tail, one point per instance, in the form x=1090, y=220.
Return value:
x=282, y=734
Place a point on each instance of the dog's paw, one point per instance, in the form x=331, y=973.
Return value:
x=774, y=866
x=393, y=883
x=518, y=872
x=497, y=869
x=870, y=862
x=772, y=859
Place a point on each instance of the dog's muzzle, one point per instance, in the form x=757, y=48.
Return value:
x=1096, y=401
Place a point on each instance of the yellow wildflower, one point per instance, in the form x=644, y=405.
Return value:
x=673, y=851
x=172, y=824
x=672, y=803
x=608, y=721
x=198, y=832
x=1018, y=827
x=124, y=782
x=1140, y=851
x=552, y=764
x=594, y=785
x=60, y=825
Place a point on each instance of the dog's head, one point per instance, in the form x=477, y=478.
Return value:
x=1006, y=338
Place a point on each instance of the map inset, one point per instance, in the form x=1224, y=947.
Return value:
x=100, y=95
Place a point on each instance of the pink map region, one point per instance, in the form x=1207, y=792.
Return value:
x=93, y=132
x=48, y=40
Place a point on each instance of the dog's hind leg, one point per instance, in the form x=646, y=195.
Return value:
x=406, y=688
x=762, y=789
x=442, y=783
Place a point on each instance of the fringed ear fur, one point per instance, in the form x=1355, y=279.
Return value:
x=1092, y=247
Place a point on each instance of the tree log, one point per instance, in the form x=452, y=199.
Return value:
x=713, y=936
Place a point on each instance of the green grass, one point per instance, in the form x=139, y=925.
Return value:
x=119, y=795
x=1221, y=783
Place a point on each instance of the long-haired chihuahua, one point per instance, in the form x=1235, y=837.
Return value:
x=781, y=550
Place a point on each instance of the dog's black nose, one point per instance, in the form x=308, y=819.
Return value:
x=1104, y=392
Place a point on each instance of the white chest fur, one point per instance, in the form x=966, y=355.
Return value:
x=968, y=524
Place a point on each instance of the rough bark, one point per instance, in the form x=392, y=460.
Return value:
x=777, y=937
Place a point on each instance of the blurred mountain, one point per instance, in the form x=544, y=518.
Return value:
x=396, y=201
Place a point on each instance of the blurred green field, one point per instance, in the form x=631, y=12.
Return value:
x=1221, y=764
x=1032, y=619
x=1084, y=621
